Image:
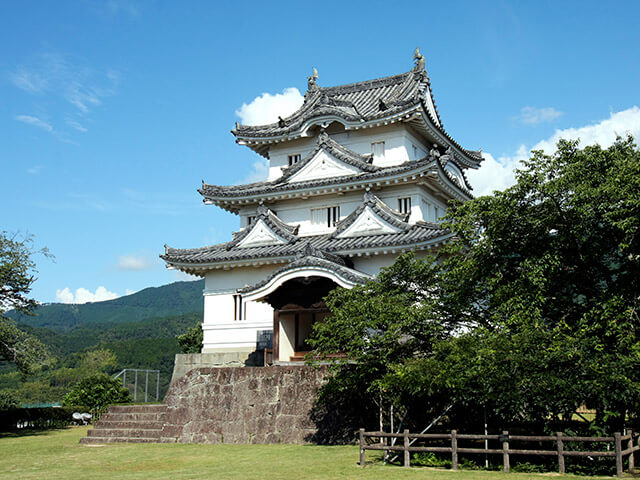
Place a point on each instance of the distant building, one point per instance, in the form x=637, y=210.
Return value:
x=360, y=173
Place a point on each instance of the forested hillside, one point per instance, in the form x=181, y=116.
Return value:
x=173, y=299
x=136, y=331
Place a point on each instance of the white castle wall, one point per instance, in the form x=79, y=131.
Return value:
x=298, y=212
x=398, y=139
x=220, y=331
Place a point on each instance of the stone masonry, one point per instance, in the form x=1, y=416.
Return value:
x=230, y=405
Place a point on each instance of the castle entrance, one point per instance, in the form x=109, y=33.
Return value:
x=298, y=304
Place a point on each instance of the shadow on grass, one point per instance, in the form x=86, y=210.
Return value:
x=33, y=432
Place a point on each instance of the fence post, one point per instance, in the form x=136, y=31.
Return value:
x=454, y=450
x=632, y=463
x=618, y=454
x=407, y=454
x=505, y=450
x=362, y=460
x=560, y=443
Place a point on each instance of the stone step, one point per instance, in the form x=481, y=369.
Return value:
x=124, y=424
x=134, y=417
x=103, y=440
x=125, y=432
x=159, y=408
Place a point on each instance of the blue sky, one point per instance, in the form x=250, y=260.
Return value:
x=112, y=112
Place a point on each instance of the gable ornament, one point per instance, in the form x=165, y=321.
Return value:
x=420, y=61
x=312, y=84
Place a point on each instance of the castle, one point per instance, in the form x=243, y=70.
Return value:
x=358, y=174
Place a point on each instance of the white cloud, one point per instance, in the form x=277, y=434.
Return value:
x=114, y=7
x=83, y=295
x=35, y=121
x=77, y=126
x=259, y=172
x=64, y=296
x=603, y=133
x=533, y=115
x=128, y=291
x=132, y=262
x=267, y=107
x=35, y=170
x=28, y=81
x=64, y=79
x=495, y=174
x=181, y=276
x=499, y=174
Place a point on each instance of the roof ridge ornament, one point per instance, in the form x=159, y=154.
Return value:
x=323, y=137
x=420, y=61
x=447, y=157
x=312, y=81
x=310, y=250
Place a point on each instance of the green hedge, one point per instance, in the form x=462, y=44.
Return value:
x=37, y=418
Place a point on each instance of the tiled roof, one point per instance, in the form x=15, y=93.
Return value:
x=281, y=184
x=312, y=257
x=396, y=219
x=368, y=100
x=416, y=234
x=324, y=142
x=284, y=230
x=405, y=97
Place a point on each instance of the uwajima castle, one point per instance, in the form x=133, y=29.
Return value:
x=358, y=174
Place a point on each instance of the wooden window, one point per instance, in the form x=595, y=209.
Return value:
x=377, y=148
x=328, y=216
x=251, y=219
x=404, y=205
x=293, y=159
x=238, y=309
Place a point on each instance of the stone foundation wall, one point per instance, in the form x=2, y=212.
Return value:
x=184, y=362
x=243, y=404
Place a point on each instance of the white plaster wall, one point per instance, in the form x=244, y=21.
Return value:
x=372, y=265
x=298, y=211
x=399, y=142
x=286, y=337
x=220, y=331
x=430, y=208
x=279, y=154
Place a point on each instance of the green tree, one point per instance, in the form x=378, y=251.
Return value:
x=97, y=392
x=531, y=308
x=191, y=340
x=17, y=274
x=8, y=400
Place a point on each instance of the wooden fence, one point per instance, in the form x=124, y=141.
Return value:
x=384, y=443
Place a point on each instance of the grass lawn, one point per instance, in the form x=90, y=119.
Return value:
x=57, y=454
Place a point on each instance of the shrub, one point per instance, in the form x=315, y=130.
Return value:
x=97, y=392
x=8, y=400
x=37, y=418
x=430, y=459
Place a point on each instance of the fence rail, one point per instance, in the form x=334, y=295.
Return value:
x=382, y=443
x=133, y=386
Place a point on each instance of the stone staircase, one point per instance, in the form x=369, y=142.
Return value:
x=132, y=424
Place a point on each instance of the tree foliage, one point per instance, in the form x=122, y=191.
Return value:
x=97, y=392
x=17, y=274
x=531, y=309
x=191, y=340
